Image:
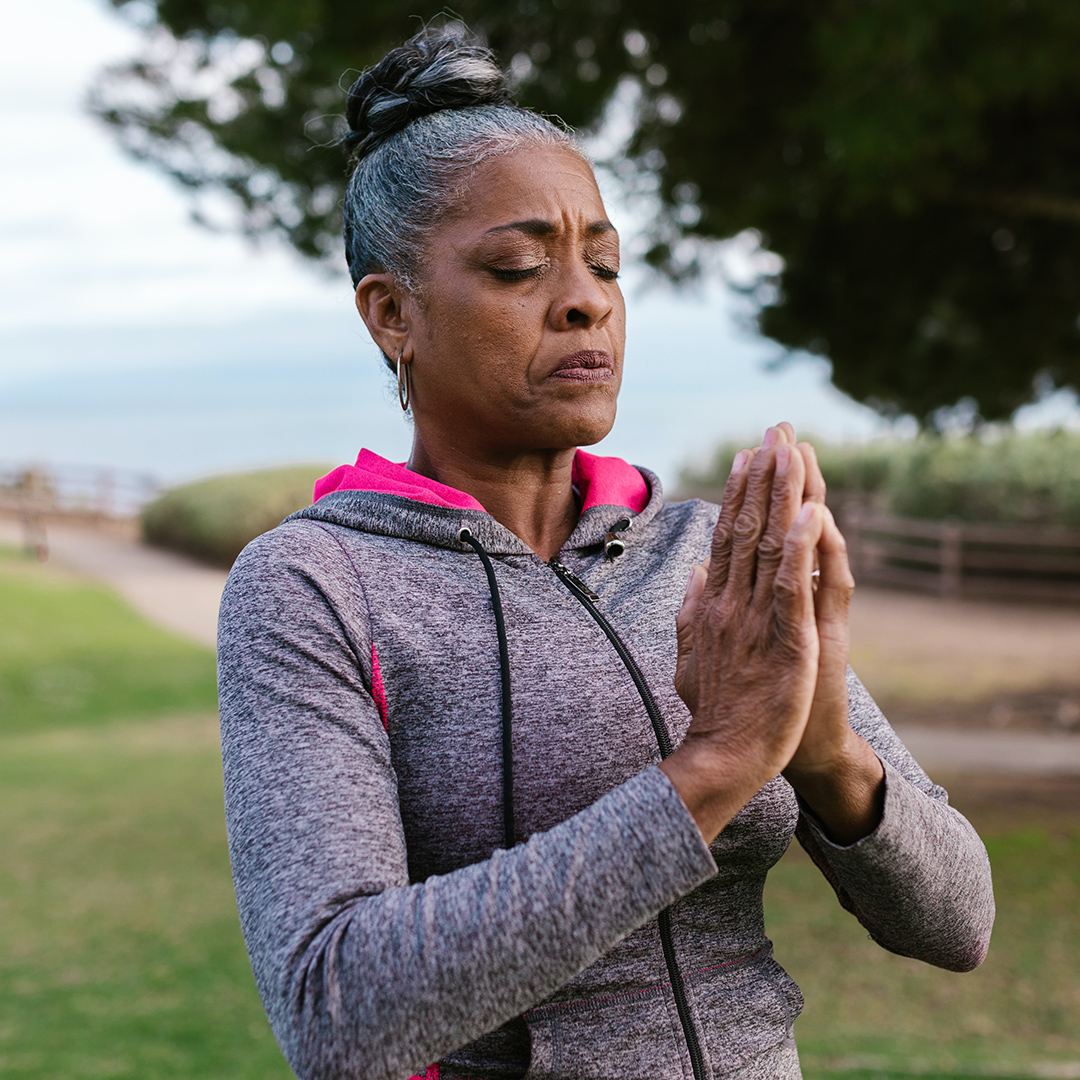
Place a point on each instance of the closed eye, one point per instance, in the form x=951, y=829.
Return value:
x=605, y=273
x=516, y=275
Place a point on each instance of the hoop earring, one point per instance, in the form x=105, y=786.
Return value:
x=404, y=384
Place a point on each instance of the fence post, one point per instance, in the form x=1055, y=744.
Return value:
x=952, y=559
x=851, y=526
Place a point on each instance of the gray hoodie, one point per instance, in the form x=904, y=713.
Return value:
x=389, y=922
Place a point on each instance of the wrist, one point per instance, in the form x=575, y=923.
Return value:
x=845, y=792
x=714, y=781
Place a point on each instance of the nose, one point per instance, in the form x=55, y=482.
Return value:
x=582, y=301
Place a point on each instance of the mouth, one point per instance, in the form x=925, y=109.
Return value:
x=587, y=366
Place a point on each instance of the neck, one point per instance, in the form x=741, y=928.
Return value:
x=531, y=493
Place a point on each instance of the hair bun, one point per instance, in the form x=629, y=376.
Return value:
x=444, y=68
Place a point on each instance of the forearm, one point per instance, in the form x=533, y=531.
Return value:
x=920, y=882
x=380, y=985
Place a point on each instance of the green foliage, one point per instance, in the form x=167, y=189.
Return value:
x=1023, y=479
x=869, y=1013
x=72, y=653
x=916, y=164
x=1010, y=478
x=213, y=520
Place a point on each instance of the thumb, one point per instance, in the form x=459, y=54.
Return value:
x=684, y=621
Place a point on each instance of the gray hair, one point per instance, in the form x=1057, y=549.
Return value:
x=420, y=122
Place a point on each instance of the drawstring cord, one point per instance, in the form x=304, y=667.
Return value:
x=465, y=536
x=613, y=547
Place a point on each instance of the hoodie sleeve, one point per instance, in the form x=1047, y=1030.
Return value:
x=920, y=883
x=363, y=974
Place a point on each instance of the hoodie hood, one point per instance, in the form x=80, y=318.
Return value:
x=386, y=498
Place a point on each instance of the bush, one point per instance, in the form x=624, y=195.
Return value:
x=1009, y=478
x=212, y=520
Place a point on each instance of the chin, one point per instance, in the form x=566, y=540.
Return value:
x=589, y=428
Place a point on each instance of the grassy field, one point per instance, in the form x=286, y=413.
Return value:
x=872, y=1014
x=72, y=654
x=120, y=953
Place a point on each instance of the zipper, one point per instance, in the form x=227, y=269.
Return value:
x=588, y=600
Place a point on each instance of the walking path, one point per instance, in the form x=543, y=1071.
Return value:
x=170, y=590
x=905, y=646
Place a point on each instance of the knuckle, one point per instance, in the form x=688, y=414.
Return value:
x=786, y=588
x=721, y=539
x=747, y=527
x=770, y=547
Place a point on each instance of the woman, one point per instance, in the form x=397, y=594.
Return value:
x=487, y=806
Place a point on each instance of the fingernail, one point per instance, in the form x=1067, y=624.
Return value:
x=689, y=578
x=770, y=438
x=806, y=513
x=739, y=463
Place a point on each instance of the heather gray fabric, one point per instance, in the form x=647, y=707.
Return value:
x=386, y=928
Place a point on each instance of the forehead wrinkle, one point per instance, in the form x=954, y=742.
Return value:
x=540, y=228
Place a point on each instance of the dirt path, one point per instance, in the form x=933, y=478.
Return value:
x=914, y=648
x=943, y=669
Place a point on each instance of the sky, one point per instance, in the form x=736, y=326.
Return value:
x=132, y=338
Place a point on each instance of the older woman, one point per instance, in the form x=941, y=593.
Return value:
x=509, y=742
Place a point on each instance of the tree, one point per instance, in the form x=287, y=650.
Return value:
x=916, y=163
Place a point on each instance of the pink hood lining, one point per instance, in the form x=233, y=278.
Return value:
x=601, y=481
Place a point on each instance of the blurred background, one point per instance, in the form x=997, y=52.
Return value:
x=861, y=217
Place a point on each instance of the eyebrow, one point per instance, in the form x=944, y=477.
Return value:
x=540, y=228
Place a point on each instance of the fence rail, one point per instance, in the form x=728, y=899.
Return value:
x=964, y=559
x=37, y=491
x=952, y=558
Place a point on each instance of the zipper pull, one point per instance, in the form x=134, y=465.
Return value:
x=571, y=578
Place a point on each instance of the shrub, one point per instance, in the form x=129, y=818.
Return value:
x=212, y=520
x=1000, y=477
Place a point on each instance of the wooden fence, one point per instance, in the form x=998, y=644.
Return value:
x=953, y=558
x=74, y=491
x=39, y=496
x=964, y=559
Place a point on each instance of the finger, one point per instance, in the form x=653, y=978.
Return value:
x=793, y=596
x=731, y=504
x=785, y=499
x=788, y=432
x=684, y=620
x=832, y=602
x=815, y=482
x=750, y=522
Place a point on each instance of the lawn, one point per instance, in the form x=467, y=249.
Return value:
x=73, y=654
x=120, y=953
x=872, y=1014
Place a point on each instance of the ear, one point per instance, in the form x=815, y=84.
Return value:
x=384, y=307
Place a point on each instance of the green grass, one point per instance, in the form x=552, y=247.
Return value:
x=72, y=653
x=870, y=1013
x=120, y=950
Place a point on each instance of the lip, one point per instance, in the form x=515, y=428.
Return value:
x=587, y=366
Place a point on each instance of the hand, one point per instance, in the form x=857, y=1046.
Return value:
x=748, y=656
x=834, y=770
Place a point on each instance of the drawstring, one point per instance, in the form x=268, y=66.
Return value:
x=465, y=536
x=614, y=545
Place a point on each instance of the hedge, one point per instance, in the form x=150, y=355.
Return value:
x=1001, y=477
x=212, y=520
